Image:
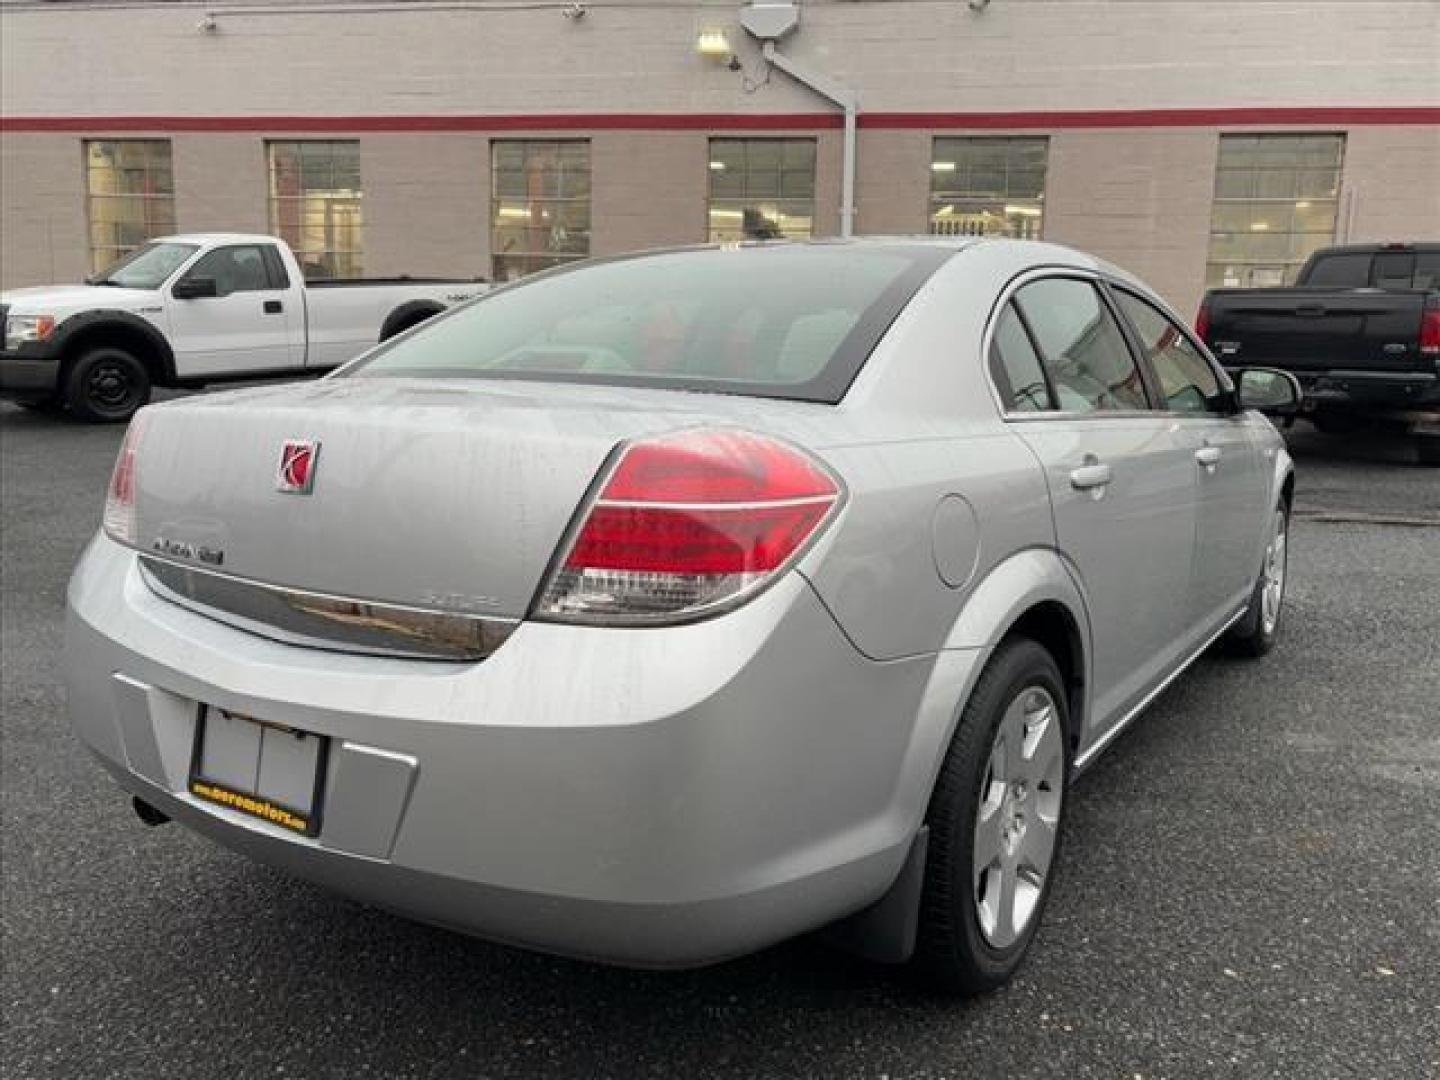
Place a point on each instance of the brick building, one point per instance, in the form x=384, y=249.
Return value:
x=1190, y=142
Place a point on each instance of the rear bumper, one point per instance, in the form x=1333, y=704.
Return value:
x=27, y=373
x=646, y=797
x=1364, y=391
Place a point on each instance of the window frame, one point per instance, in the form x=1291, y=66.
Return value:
x=711, y=198
x=554, y=260
x=119, y=250
x=1226, y=396
x=1099, y=282
x=931, y=198
x=274, y=202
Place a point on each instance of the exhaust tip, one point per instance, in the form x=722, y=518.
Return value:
x=147, y=813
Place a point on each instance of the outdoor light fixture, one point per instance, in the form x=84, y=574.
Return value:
x=713, y=43
x=717, y=166
x=942, y=166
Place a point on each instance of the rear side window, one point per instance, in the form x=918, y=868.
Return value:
x=1186, y=378
x=1081, y=346
x=1427, y=270
x=1015, y=366
x=784, y=321
x=1348, y=271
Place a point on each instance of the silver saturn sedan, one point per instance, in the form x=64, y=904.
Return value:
x=661, y=608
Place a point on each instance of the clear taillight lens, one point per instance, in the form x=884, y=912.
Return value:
x=119, y=517
x=686, y=525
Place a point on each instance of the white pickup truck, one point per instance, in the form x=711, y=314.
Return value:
x=196, y=309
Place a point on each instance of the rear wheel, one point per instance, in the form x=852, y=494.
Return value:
x=1256, y=632
x=107, y=385
x=995, y=820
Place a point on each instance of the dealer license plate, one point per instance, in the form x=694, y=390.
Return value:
x=267, y=771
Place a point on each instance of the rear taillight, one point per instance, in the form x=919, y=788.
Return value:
x=1202, y=322
x=1430, y=330
x=120, y=498
x=688, y=524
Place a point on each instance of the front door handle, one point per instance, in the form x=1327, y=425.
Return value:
x=1208, y=456
x=273, y=307
x=1092, y=475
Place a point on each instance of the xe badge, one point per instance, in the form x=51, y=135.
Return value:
x=297, y=466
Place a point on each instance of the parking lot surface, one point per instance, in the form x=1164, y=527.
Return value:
x=1250, y=884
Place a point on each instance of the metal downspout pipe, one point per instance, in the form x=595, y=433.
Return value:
x=849, y=101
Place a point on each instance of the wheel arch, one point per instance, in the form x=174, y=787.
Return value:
x=411, y=313
x=122, y=330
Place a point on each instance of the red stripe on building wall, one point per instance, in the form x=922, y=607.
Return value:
x=1342, y=116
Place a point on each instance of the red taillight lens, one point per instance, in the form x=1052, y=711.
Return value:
x=119, y=520
x=687, y=524
x=1202, y=323
x=1430, y=331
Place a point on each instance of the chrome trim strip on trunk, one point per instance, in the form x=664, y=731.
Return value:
x=322, y=621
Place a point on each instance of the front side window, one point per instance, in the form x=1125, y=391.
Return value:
x=1015, y=366
x=540, y=204
x=1275, y=204
x=988, y=187
x=1082, y=347
x=233, y=269
x=783, y=322
x=1186, y=378
x=130, y=196
x=762, y=189
x=315, y=205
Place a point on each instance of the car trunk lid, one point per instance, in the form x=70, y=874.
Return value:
x=450, y=496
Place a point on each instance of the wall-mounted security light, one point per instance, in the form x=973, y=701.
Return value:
x=714, y=44
x=207, y=24
x=573, y=12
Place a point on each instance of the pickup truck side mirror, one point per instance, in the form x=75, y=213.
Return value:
x=1268, y=390
x=194, y=288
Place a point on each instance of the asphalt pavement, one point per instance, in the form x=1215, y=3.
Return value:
x=1250, y=885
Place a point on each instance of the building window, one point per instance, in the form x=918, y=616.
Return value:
x=1275, y=203
x=540, y=208
x=130, y=188
x=315, y=205
x=988, y=187
x=762, y=189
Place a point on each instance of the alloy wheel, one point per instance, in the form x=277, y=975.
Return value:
x=1018, y=817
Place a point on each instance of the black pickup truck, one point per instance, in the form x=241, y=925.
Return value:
x=1360, y=329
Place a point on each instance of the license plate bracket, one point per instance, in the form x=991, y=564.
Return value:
x=264, y=770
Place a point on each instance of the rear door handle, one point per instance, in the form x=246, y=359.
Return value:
x=1090, y=476
x=1209, y=456
x=274, y=307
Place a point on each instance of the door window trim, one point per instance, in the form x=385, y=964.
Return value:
x=259, y=247
x=1098, y=281
x=1137, y=347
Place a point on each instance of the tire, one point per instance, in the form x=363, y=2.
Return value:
x=965, y=943
x=1427, y=449
x=1259, y=628
x=106, y=385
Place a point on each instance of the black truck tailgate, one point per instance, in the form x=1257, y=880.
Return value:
x=1302, y=329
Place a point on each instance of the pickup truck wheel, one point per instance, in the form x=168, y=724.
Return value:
x=1256, y=632
x=107, y=385
x=1427, y=448
x=995, y=820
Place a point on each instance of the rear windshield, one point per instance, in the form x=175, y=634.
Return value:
x=784, y=322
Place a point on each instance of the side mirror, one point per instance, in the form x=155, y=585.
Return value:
x=1268, y=390
x=194, y=288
